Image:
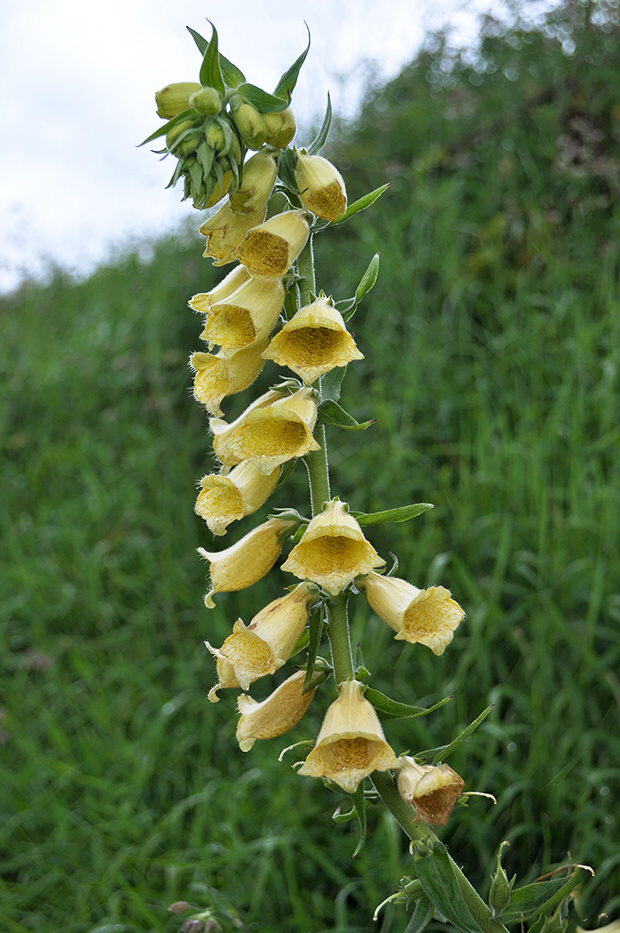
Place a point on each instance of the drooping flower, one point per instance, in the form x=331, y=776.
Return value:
x=321, y=186
x=268, y=434
x=270, y=248
x=351, y=744
x=246, y=316
x=227, y=498
x=333, y=550
x=313, y=342
x=428, y=617
x=259, y=175
x=247, y=561
x=237, y=277
x=432, y=789
x=275, y=715
x=266, y=643
x=219, y=375
x=226, y=230
x=281, y=128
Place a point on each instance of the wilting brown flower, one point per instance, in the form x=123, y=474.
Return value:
x=432, y=789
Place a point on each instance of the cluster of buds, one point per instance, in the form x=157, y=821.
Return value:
x=262, y=311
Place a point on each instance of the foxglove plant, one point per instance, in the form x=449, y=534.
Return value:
x=268, y=308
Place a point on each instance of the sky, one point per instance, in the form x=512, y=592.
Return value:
x=78, y=80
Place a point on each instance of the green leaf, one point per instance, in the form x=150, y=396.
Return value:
x=421, y=916
x=210, y=70
x=441, y=886
x=319, y=141
x=317, y=619
x=287, y=82
x=368, y=279
x=261, y=100
x=402, y=514
x=531, y=899
x=442, y=752
x=361, y=204
x=180, y=117
x=205, y=156
x=330, y=412
x=359, y=802
x=331, y=383
x=387, y=708
x=231, y=74
x=286, y=170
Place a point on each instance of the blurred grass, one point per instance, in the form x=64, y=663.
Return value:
x=492, y=352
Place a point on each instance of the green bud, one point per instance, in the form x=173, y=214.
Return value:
x=281, y=128
x=499, y=894
x=174, y=98
x=175, y=131
x=189, y=143
x=251, y=125
x=216, y=138
x=206, y=101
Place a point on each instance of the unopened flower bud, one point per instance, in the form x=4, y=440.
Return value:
x=250, y=123
x=206, y=101
x=281, y=128
x=499, y=893
x=176, y=131
x=174, y=98
x=259, y=175
x=321, y=186
x=216, y=138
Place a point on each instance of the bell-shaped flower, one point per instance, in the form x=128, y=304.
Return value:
x=281, y=128
x=219, y=375
x=227, y=498
x=333, y=550
x=313, y=342
x=432, y=789
x=266, y=643
x=351, y=744
x=246, y=316
x=259, y=175
x=428, y=617
x=247, y=561
x=321, y=186
x=268, y=434
x=226, y=230
x=203, y=301
x=275, y=715
x=270, y=248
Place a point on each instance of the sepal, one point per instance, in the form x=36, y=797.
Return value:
x=287, y=82
x=330, y=412
x=387, y=708
x=441, y=753
x=401, y=514
x=319, y=141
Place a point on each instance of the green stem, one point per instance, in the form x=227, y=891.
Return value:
x=405, y=816
x=339, y=639
x=305, y=268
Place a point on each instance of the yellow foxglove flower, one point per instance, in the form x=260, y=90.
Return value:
x=259, y=176
x=428, y=617
x=266, y=643
x=230, y=283
x=351, y=744
x=248, y=560
x=174, y=98
x=432, y=789
x=218, y=375
x=225, y=499
x=332, y=550
x=246, y=316
x=281, y=128
x=270, y=248
x=274, y=716
x=313, y=342
x=321, y=186
x=268, y=434
x=226, y=230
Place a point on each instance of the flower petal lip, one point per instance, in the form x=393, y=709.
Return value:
x=226, y=230
x=313, y=342
x=237, y=277
x=333, y=550
x=270, y=434
x=246, y=316
x=275, y=715
x=225, y=499
x=351, y=743
x=219, y=374
x=427, y=617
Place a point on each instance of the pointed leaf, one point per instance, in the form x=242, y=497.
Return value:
x=359, y=802
x=231, y=74
x=402, y=514
x=361, y=204
x=387, y=708
x=440, y=884
x=421, y=915
x=530, y=899
x=210, y=70
x=442, y=752
x=286, y=170
x=330, y=412
x=264, y=102
x=287, y=82
x=368, y=279
x=331, y=383
x=319, y=141
x=180, y=117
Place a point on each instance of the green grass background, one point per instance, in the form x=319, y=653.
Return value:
x=492, y=347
